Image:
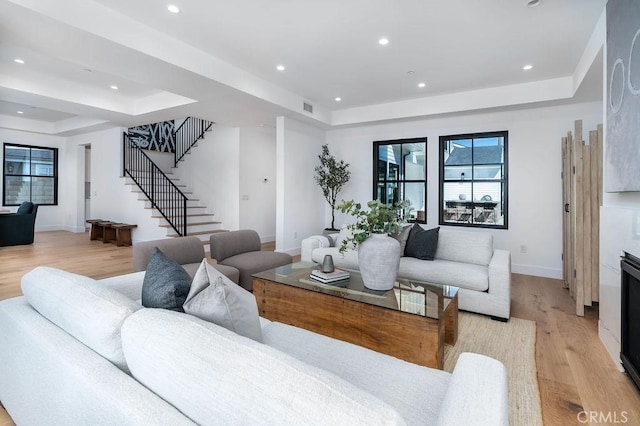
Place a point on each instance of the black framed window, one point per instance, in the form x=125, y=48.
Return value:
x=30, y=173
x=473, y=180
x=400, y=173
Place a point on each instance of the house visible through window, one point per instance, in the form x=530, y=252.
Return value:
x=400, y=173
x=473, y=180
x=30, y=173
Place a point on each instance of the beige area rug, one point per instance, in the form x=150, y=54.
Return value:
x=513, y=344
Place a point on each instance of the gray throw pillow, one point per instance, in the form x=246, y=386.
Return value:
x=422, y=243
x=166, y=284
x=215, y=298
x=402, y=237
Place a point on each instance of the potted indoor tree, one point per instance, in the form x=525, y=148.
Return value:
x=331, y=176
x=378, y=253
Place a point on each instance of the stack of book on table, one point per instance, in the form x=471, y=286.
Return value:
x=329, y=277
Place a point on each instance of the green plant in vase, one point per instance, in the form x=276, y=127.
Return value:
x=377, y=218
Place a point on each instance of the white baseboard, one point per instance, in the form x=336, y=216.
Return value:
x=611, y=344
x=74, y=229
x=267, y=239
x=292, y=252
x=538, y=271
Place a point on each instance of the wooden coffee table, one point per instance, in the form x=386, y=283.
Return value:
x=413, y=321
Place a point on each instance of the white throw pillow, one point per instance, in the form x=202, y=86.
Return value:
x=215, y=298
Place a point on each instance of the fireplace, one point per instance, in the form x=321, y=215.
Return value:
x=630, y=336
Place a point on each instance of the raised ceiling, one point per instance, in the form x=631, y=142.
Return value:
x=217, y=60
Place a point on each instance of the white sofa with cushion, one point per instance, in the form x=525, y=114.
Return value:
x=77, y=351
x=463, y=259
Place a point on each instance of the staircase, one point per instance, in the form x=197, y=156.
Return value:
x=172, y=204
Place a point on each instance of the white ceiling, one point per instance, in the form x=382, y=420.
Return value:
x=217, y=60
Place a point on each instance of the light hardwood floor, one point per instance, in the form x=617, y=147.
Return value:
x=575, y=373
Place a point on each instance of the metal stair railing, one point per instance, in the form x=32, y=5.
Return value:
x=188, y=134
x=163, y=194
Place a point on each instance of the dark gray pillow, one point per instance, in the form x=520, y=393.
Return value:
x=166, y=284
x=422, y=243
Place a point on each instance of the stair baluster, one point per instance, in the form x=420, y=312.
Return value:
x=163, y=194
x=188, y=134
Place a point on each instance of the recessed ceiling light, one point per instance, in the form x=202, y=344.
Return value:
x=533, y=3
x=18, y=60
x=411, y=72
x=421, y=85
x=527, y=67
x=338, y=99
x=280, y=67
x=20, y=112
x=173, y=8
x=114, y=87
x=383, y=41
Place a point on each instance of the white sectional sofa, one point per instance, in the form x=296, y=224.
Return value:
x=463, y=259
x=75, y=351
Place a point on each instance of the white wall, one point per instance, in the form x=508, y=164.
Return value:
x=535, y=186
x=211, y=170
x=49, y=218
x=258, y=181
x=111, y=198
x=300, y=204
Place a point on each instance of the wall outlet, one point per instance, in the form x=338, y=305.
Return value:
x=523, y=248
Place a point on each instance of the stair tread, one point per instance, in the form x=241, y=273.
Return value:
x=166, y=225
x=188, y=215
x=188, y=207
x=201, y=233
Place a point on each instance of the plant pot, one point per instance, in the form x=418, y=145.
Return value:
x=379, y=260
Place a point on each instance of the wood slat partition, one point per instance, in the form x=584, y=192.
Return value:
x=582, y=198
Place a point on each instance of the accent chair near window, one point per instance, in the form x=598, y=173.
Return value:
x=18, y=228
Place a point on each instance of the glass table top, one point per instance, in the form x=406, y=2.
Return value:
x=411, y=296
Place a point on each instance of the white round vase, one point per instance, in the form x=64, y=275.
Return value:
x=379, y=260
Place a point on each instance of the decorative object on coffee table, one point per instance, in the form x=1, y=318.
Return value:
x=331, y=175
x=327, y=264
x=378, y=253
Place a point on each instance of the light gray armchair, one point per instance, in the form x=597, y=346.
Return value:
x=242, y=250
x=187, y=251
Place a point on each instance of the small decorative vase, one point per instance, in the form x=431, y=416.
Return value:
x=379, y=260
x=327, y=264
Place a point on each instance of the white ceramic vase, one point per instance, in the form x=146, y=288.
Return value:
x=379, y=260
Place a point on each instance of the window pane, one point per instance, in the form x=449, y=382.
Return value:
x=458, y=172
x=392, y=193
x=41, y=162
x=414, y=155
x=414, y=192
x=488, y=150
x=42, y=190
x=389, y=156
x=17, y=160
x=457, y=191
x=17, y=189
